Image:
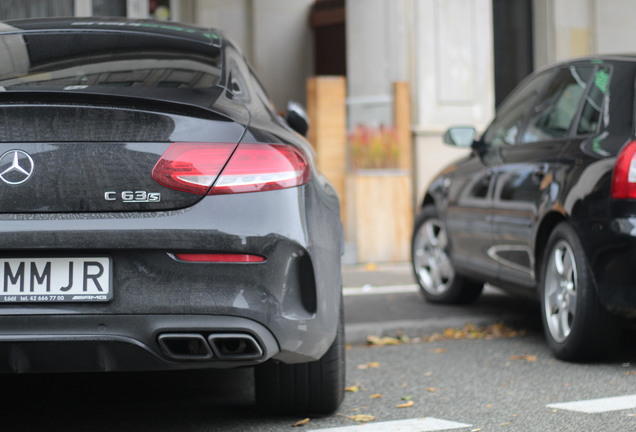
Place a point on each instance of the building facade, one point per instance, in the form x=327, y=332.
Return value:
x=451, y=53
x=455, y=53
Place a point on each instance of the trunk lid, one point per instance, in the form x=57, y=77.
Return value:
x=79, y=158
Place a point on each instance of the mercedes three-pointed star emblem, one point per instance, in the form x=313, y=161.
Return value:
x=16, y=167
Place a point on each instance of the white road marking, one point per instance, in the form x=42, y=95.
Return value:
x=385, y=289
x=598, y=405
x=411, y=425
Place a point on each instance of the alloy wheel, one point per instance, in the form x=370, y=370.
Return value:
x=559, y=299
x=430, y=258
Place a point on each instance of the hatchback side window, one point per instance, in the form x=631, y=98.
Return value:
x=557, y=107
x=512, y=113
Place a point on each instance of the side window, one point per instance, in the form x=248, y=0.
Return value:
x=557, y=107
x=512, y=113
x=591, y=114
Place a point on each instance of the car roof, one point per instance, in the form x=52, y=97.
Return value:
x=112, y=24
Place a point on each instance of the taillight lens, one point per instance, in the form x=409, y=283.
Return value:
x=262, y=167
x=192, y=167
x=624, y=178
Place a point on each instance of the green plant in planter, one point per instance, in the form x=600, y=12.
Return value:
x=374, y=147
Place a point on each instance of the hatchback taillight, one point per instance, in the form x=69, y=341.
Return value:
x=195, y=167
x=624, y=178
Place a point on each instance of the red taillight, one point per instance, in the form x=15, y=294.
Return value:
x=262, y=167
x=220, y=258
x=194, y=167
x=624, y=178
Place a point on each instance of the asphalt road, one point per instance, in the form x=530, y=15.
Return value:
x=402, y=309
x=500, y=384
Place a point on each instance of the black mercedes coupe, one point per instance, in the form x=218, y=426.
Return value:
x=156, y=213
x=544, y=205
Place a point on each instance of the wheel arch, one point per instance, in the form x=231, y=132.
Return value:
x=428, y=199
x=546, y=227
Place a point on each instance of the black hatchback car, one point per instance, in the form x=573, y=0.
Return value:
x=157, y=214
x=545, y=205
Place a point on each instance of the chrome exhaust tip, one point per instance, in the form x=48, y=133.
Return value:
x=235, y=346
x=185, y=346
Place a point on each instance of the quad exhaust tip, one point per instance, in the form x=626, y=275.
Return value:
x=235, y=346
x=185, y=346
x=221, y=346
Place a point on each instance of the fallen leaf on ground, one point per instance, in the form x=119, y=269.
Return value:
x=382, y=341
x=439, y=350
x=362, y=418
x=371, y=266
x=406, y=404
x=471, y=331
x=529, y=358
x=376, y=396
x=352, y=389
x=372, y=365
x=407, y=398
x=630, y=373
x=431, y=389
x=302, y=422
x=489, y=405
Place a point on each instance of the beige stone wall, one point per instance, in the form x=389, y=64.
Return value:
x=274, y=35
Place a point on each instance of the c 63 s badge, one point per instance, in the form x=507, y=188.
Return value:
x=133, y=196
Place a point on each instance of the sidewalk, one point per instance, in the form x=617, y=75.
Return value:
x=358, y=276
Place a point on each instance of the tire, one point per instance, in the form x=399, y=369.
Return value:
x=439, y=281
x=314, y=388
x=576, y=325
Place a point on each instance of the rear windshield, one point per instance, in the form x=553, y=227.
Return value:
x=83, y=60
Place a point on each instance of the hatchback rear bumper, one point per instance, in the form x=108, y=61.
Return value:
x=610, y=247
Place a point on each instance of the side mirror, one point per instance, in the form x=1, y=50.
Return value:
x=296, y=118
x=460, y=136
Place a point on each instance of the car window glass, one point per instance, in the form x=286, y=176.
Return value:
x=591, y=114
x=518, y=186
x=558, y=105
x=107, y=59
x=511, y=114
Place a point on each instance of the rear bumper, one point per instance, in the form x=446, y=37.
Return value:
x=610, y=246
x=105, y=343
x=294, y=297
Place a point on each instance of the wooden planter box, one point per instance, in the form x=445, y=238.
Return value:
x=380, y=215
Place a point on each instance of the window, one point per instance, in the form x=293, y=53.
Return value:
x=591, y=115
x=556, y=109
x=512, y=113
x=107, y=59
x=18, y=9
x=109, y=8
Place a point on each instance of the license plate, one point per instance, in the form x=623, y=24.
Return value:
x=46, y=280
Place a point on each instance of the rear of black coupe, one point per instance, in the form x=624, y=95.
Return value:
x=156, y=214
